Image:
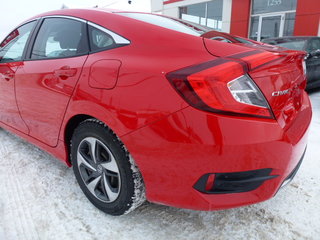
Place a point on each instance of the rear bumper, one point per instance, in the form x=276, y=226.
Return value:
x=174, y=153
x=294, y=172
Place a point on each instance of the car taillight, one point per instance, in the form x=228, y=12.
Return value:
x=220, y=86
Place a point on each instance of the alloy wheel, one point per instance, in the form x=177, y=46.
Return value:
x=99, y=169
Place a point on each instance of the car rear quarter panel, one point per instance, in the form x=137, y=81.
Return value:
x=142, y=94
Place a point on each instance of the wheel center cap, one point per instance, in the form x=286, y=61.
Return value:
x=99, y=169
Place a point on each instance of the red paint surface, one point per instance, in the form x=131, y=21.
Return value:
x=171, y=1
x=10, y=114
x=172, y=143
x=240, y=17
x=104, y=67
x=307, y=18
x=42, y=96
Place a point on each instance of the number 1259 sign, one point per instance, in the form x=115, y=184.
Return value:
x=274, y=2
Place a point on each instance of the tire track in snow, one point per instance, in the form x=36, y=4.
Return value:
x=16, y=208
x=12, y=208
x=27, y=217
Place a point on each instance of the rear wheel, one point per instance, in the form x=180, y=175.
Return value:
x=105, y=170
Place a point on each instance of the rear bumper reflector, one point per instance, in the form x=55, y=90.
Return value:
x=234, y=182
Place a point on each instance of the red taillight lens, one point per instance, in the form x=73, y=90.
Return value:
x=220, y=86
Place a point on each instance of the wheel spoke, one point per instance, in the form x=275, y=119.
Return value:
x=92, y=144
x=82, y=160
x=99, y=169
x=111, y=195
x=93, y=184
x=111, y=165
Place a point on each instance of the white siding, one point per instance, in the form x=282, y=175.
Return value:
x=226, y=15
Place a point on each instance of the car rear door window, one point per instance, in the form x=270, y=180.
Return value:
x=103, y=39
x=60, y=38
x=100, y=40
x=12, y=48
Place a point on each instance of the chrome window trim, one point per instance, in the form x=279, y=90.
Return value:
x=20, y=25
x=68, y=17
x=117, y=38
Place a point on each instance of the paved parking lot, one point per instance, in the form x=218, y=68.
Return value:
x=39, y=199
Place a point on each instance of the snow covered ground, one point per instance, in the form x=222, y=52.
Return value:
x=40, y=199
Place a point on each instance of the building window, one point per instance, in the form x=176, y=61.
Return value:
x=272, y=18
x=289, y=24
x=207, y=14
x=269, y=6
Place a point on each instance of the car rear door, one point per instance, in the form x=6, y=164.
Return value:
x=11, y=59
x=46, y=81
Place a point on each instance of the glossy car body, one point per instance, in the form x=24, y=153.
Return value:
x=309, y=44
x=226, y=37
x=175, y=145
x=229, y=38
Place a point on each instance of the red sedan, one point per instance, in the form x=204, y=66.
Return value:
x=143, y=107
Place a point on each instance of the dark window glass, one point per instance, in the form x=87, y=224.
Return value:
x=100, y=40
x=295, y=44
x=289, y=24
x=242, y=40
x=268, y=6
x=59, y=38
x=221, y=39
x=13, y=46
x=254, y=28
x=313, y=45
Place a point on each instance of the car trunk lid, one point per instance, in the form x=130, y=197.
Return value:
x=279, y=74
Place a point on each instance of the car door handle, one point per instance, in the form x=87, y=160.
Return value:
x=8, y=75
x=65, y=72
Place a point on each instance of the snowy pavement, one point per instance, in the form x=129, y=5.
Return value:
x=40, y=199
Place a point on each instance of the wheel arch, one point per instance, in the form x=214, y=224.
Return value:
x=79, y=111
x=71, y=125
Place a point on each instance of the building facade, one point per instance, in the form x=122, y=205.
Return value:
x=255, y=19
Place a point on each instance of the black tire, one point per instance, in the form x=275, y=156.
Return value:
x=119, y=188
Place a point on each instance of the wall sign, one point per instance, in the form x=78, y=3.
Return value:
x=274, y=2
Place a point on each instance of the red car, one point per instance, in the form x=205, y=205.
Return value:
x=143, y=107
x=226, y=37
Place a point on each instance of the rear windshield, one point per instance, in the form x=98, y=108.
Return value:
x=295, y=44
x=242, y=40
x=170, y=23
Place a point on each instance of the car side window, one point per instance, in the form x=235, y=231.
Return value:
x=102, y=39
x=60, y=38
x=12, y=48
x=314, y=45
